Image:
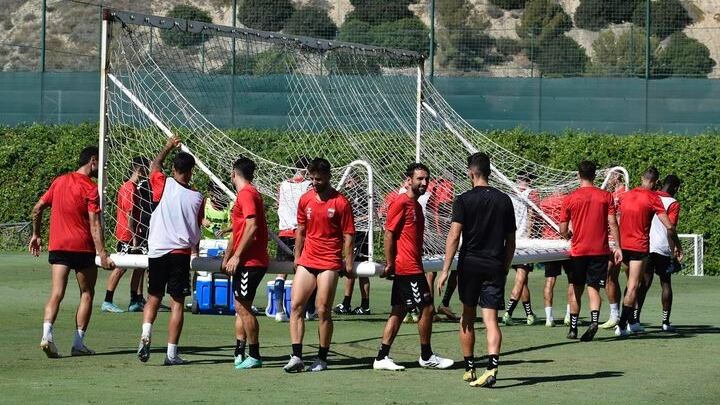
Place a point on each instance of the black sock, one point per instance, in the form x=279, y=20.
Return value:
x=573, y=322
x=297, y=350
x=469, y=363
x=323, y=352
x=383, y=352
x=425, y=352
x=346, y=301
x=493, y=361
x=511, y=306
x=239, y=348
x=135, y=297
x=666, y=317
x=594, y=316
x=109, y=295
x=624, y=316
x=365, y=303
x=255, y=351
x=528, y=308
x=450, y=289
x=635, y=315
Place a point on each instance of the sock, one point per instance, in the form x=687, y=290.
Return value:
x=239, y=348
x=624, y=316
x=323, y=352
x=573, y=322
x=469, y=363
x=383, y=352
x=47, y=331
x=528, y=308
x=78, y=339
x=297, y=350
x=425, y=352
x=636, y=316
x=135, y=297
x=666, y=317
x=172, y=350
x=511, y=306
x=365, y=303
x=567, y=310
x=614, y=311
x=255, y=350
x=279, y=289
x=493, y=361
x=346, y=301
x=595, y=316
x=109, y=295
x=548, y=313
x=146, y=330
x=450, y=289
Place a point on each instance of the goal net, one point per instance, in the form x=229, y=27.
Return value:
x=370, y=111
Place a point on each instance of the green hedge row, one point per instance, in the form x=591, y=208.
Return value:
x=30, y=156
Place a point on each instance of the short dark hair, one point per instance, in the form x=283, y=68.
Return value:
x=525, y=175
x=245, y=167
x=319, y=165
x=183, y=163
x=479, y=163
x=587, y=170
x=302, y=162
x=87, y=153
x=412, y=167
x=138, y=162
x=651, y=173
x=671, y=181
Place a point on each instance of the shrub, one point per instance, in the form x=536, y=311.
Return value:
x=311, y=22
x=408, y=33
x=181, y=39
x=508, y=46
x=684, y=56
x=561, y=56
x=543, y=20
x=666, y=17
x=356, y=31
x=509, y=4
x=266, y=15
x=376, y=12
x=591, y=15
x=621, y=55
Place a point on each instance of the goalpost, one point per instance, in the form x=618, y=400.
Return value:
x=369, y=110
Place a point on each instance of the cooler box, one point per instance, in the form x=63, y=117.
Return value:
x=271, y=309
x=213, y=294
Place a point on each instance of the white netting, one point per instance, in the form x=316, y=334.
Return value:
x=344, y=104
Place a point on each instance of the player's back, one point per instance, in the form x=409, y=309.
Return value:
x=71, y=195
x=588, y=208
x=637, y=208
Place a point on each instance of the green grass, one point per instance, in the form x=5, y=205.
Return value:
x=538, y=365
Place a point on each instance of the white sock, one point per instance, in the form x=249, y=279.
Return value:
x=614, y=311
x=146, y=330
x=47, y=331
x=548, y=313
x=172, y=351
x=567, y=310
x=78, y=339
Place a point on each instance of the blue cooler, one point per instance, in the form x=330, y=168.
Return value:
x=271, y=309
x=213, y=292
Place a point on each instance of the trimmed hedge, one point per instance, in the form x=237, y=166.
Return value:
x=31, y=156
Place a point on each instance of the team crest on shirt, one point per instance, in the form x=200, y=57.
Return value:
x=331, y=212
x=308, y=212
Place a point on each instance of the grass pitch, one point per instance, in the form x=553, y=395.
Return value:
x=537, y=364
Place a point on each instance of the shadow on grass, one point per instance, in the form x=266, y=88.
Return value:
x=558, y=378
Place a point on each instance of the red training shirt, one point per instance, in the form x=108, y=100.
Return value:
x=125, y=201
x=552, y=207
x=248, y=204
x=673, y=210
x=325, y=224
x=637, y=208
x=588, y=209
x=71, y=196
x=406, y=221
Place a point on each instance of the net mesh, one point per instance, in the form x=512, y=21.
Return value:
x=345, y=103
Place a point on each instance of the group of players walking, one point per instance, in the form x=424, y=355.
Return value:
x=484, y=218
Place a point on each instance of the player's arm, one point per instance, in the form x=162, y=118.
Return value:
x=228, y=252
x=245, y=240
x=348, y=245
x=615, y=233
x=99, y=240
x=299, y=242
x=451, y=246
x=509, y=250
x=172, y=143
x=35, y=245
x=565, y=230
x=390, y=249
x=672, y=235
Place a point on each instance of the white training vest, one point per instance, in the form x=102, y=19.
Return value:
x=658, y=233
x=174, y=222
x=288, y=200
x=521, y=212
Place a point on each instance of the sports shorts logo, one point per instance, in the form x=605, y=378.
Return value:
x=331, y=212
x=244, y=284
x=415, y=291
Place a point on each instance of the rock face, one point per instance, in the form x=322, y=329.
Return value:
x=73, y=30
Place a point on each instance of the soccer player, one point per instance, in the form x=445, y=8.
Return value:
x=323, y=237
x=591, y=211
x=485, y=218
x=75, y=237
x=173, y=237
x=127, y=216
x=442, y=192
x=404, y=229
x=663, y=261
x=612, y=287
x=246, y=260
x=552, y=206
x=637, y=207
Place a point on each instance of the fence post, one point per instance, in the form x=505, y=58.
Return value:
x=432, y=39
x=232, y=68
x=42, y=35
x=647, y=59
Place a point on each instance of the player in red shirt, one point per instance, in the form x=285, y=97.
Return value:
x=75, y=237
x=617, y=187
x=637, y=208
x=246, y=260
x=324, y=237
x=552, y=207
x=404, y=228
x=591, y=211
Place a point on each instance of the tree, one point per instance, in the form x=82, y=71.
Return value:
x=543, y=20
x=376, y=12
x=666, y=17
x=182, y=39
x=266, y=15
x=509, y=4
x=408, y=33
x=621, y=55
x=591, y=15
x=561, y=56
x=684, y=56
x=356, y=31
x=311, y=22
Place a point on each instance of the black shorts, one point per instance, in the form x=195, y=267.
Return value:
x=283, y=256
x=73, y=260
x=361, y=246
x=169, y=272
x=246, y=281
x=632, y=255
x=412, y=291
x=525, y=266
x=126, y=248
x=553, y=269
x=662, y=265
x=481, y=285
x=590, y=270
